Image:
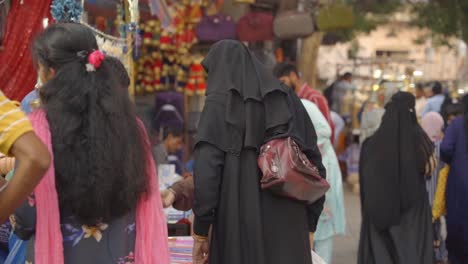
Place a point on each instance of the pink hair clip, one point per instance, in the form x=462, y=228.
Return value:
x=95, y=60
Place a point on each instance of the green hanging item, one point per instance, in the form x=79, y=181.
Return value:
x=335, y=17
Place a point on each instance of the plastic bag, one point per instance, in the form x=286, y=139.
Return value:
x=17, y=251
x=316, y=259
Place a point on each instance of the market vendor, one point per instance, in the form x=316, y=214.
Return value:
x=171, y=144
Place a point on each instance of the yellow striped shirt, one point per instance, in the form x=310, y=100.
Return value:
x=13, y=124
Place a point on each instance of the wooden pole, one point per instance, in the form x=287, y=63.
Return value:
x=308, y=59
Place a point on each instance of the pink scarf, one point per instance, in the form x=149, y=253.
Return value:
x=151, y=230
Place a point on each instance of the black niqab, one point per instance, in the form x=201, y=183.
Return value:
x=397, y=155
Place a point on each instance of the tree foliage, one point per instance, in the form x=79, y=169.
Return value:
x=369, y=14
x=445, y=18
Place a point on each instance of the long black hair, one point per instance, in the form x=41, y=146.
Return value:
x=97, y=142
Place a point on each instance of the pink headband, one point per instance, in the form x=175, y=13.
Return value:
x=95, y=60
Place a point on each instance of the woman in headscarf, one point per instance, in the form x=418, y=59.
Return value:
x=332, y=221
x=245, y=107
x=396, y=225
x=433, y=124
x=454, y=151
x=373, y=111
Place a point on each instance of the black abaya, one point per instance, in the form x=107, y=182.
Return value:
x=409, y=242
x=396, y=216
x=250, y=226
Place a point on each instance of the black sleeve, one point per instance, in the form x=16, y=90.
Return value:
x=313, y=213
x=208, y=169
x=362, y=161
x=314, y=210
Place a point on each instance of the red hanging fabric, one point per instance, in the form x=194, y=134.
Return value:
x=17, y=74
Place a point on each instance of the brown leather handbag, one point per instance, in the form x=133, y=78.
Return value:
x=255, y=26
x=288, y=172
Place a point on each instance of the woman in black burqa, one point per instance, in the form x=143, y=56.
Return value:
x=396, y=227
x=246, y=106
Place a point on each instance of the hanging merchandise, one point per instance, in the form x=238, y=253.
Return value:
x=182, y=71
x=219, y=4
x=115, y=49
x=113, y=46
x=133, y=29
x=169, y=109
x=66, y=10
x=4, y=6
x=165, y=62
x=279, y=54
x=134, y=11
x=196, y=79
x=160, y=9
x=244, y=1
x=335, y=17
x=120, y=19
x=267, y=4
x=195, y=13
x=213, y=8
x=293, y=24
x=284, y=5
x=255, y=26
x=215, y=28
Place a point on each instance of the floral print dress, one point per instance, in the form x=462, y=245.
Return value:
x=4, y=238
x=112, y=243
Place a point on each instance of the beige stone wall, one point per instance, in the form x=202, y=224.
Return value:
x=436, y=63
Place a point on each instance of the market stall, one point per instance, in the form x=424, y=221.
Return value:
x=162, y=43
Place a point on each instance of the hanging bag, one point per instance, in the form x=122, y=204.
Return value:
x=255, y=26
x=169, y=110
x=335, y=17
x=215, y=28
x=266, y=4
x=293, y=24
x=288, y=172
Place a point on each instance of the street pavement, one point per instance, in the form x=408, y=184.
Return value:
x=345, y=247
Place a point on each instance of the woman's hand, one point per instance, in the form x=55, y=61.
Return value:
x=431, y=165
x=201, y=248
x=311, y=238
x=168, y=197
